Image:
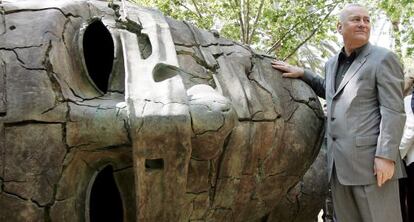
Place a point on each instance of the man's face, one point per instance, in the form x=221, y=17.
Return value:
x=355, y=27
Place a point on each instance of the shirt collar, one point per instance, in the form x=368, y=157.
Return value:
x=354, y=54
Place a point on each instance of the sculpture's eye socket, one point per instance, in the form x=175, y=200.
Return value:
x=98, y=49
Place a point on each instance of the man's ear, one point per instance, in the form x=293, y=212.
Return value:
x=339, y=28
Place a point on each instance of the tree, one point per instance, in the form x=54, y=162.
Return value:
x=401, y=16
x=282, y=27
x=279, y=27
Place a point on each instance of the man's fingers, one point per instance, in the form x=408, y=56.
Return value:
x=384, y=169
x=382, y=178
x=379, y=179
x=288, y=75
x=283, y=68
x=281, y=65
x=287, y=70
x=277, y=62
x=387, y=176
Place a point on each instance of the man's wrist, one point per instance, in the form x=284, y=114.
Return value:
x=384, y=158
x=307, y=75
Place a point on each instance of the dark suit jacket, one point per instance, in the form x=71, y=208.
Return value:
x=365, y=115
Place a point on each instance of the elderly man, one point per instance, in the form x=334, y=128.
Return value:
x=363, y=88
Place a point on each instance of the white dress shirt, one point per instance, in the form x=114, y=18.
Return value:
x=407, y=140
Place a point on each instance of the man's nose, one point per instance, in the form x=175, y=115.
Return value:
x=363, y=24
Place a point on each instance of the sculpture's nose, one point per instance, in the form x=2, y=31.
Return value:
x=163, y=72
x=159, y=117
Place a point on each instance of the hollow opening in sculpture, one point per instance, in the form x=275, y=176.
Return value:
x=98, y=50
x=145, y=47
x=105, y=202
x=154, y=164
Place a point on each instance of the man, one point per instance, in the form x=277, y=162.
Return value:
x=363, y=88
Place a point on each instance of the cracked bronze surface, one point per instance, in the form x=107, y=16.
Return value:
x=235, y=139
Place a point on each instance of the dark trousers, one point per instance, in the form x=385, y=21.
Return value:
x=407, y=195
x=365, y=203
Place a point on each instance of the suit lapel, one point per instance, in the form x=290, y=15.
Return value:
x=332, y=73
x=353, y=69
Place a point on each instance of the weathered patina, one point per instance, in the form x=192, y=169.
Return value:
x=191, y=126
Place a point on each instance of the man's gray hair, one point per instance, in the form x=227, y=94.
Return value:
x=344, y=12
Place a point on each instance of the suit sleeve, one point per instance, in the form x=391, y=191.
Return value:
x=390, y=86
x=316, y=82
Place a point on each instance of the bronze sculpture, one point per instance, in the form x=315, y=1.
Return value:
x=183, y=123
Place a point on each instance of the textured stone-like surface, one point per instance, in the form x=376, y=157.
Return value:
x=96, y=124
x=212, y=119
x=33, y=160
x=16, y=209
x=303, y=202
x=195, y=127
x=3, y=107
x=2, y=150
x=74, y=185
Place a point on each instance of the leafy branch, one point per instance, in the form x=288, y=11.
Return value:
x=298, y=23
x=312, y=33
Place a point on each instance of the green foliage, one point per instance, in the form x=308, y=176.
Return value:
x=281, y=27
x=283, y=24
x=297, y=22
x=401, y=15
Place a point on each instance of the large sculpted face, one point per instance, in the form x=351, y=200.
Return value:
x=119, y=113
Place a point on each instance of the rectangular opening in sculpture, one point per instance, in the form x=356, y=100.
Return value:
x=154, y=164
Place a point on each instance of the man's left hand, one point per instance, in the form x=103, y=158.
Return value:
x=383, y=169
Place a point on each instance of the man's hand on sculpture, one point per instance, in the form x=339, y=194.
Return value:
x=383, y=169
x=288, y=71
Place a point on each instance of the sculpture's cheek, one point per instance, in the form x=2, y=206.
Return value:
x=213, y=118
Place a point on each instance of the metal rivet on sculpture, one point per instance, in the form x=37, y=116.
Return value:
x=117, y=113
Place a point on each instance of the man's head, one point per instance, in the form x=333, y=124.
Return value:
x=355, y=26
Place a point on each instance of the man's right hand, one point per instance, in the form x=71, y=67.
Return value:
x=287, y=70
